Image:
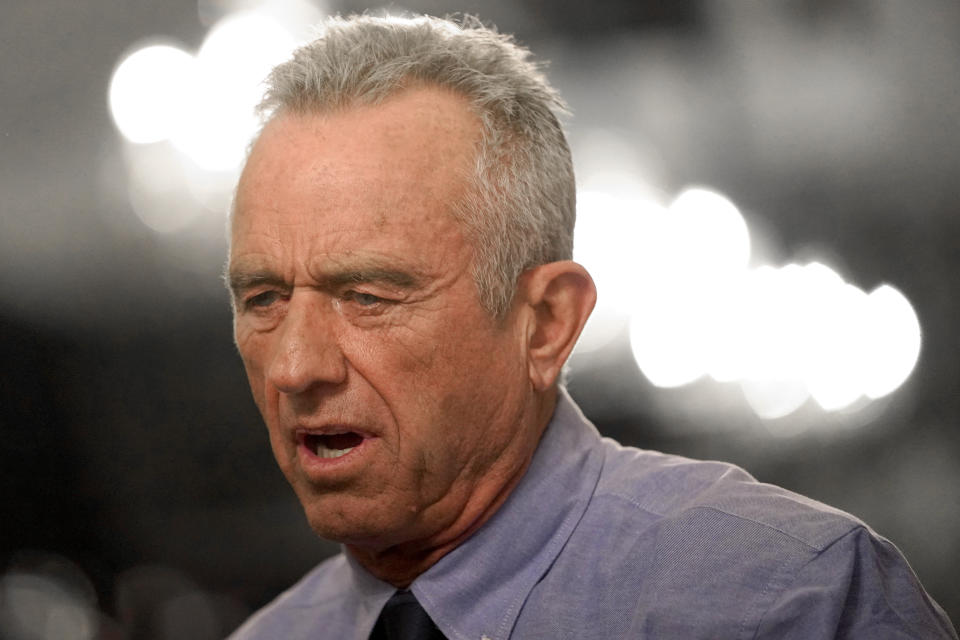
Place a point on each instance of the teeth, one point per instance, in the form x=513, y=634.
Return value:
x=324, y=452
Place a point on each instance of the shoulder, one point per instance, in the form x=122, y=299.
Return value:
x=317, y=591
x=690, y=548
x=665, y=488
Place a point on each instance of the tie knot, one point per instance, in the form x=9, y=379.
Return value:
x=403, y=618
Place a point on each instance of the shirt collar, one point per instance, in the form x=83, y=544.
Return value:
x=477, y=590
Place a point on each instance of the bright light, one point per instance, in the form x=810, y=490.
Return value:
x=611, y=240
x=711, y=235
x=235, y=58
x=893, y=341
x=805, y=327
x=834, y=372
x=667, y=339
x=694, y=255
x=204, y=105
x=785, y=334
x=771, y=399
x=147, y=92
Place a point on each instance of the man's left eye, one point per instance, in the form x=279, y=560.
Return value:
x=364, y=299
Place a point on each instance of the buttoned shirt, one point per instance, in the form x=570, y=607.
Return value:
x=604, y=541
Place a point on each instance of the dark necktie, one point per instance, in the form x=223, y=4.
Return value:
x=403, y=618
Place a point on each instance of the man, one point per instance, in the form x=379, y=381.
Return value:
x=404, y=303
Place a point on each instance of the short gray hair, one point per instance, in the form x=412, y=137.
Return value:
x=521, y=210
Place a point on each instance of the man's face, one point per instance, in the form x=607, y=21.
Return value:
x=393, y=400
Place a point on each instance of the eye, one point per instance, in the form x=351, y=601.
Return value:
x=262, y=300
x=363, y=299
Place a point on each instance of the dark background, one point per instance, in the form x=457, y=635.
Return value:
x=134, y=464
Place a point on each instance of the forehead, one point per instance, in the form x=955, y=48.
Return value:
x=401, y=162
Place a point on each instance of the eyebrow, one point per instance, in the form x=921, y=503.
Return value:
x=393, y=277
x=240, y=280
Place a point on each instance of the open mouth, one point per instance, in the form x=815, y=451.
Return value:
x=331, y=445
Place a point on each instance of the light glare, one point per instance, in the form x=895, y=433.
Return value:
x=147, y=92
x=772, y=399
x=711, y=235
x=785, y=334
x=893, y=341
x=693, y=256
x=835, y=376
x=235, y=58
x=157, y=187
x=611, y=240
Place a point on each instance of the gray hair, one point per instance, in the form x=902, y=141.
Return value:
x=520, y=210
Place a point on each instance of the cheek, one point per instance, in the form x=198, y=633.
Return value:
x=253, y=350
x=397, y=357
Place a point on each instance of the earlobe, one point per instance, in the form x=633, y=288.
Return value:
x=561, y=296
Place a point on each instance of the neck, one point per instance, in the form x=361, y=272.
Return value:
x=400, y=564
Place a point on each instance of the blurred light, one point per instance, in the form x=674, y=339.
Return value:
x=205, y=104
x=203, y=107
x=696, y=252
x=678, y=279
x=612, y=240
x=667, y=340
x=610, y=164
x=157, y=187
x=147, y=92
x=834, y=373
x=772, y=399
x=232, y=63
x=711, y=236
x=727, y=352
x=36, y=606
x=893, y=341
x=806, y=326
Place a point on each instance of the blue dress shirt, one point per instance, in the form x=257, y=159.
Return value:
x=603, y=541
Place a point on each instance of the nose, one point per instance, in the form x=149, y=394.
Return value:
x=307, y=352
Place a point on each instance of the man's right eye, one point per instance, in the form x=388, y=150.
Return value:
x=262, y=300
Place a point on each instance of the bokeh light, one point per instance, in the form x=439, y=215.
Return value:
x=233, y=61
x=38, y=607
x=46, y=596
x=157, y=189
x=834, y=370
x=199, y=111
x=611, y=240
x=204, y=104
x=710, y=235
x=773, y=398
x=148, y=92
x=893, y=337
x=679, y=279
x=696, y=254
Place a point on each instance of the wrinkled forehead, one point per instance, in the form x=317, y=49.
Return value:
x=418, y=144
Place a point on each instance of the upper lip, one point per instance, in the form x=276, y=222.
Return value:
x=329, y=429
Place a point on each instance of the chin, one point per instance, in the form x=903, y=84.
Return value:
x=356, y=527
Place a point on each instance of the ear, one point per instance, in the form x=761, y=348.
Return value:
x=561, y=296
